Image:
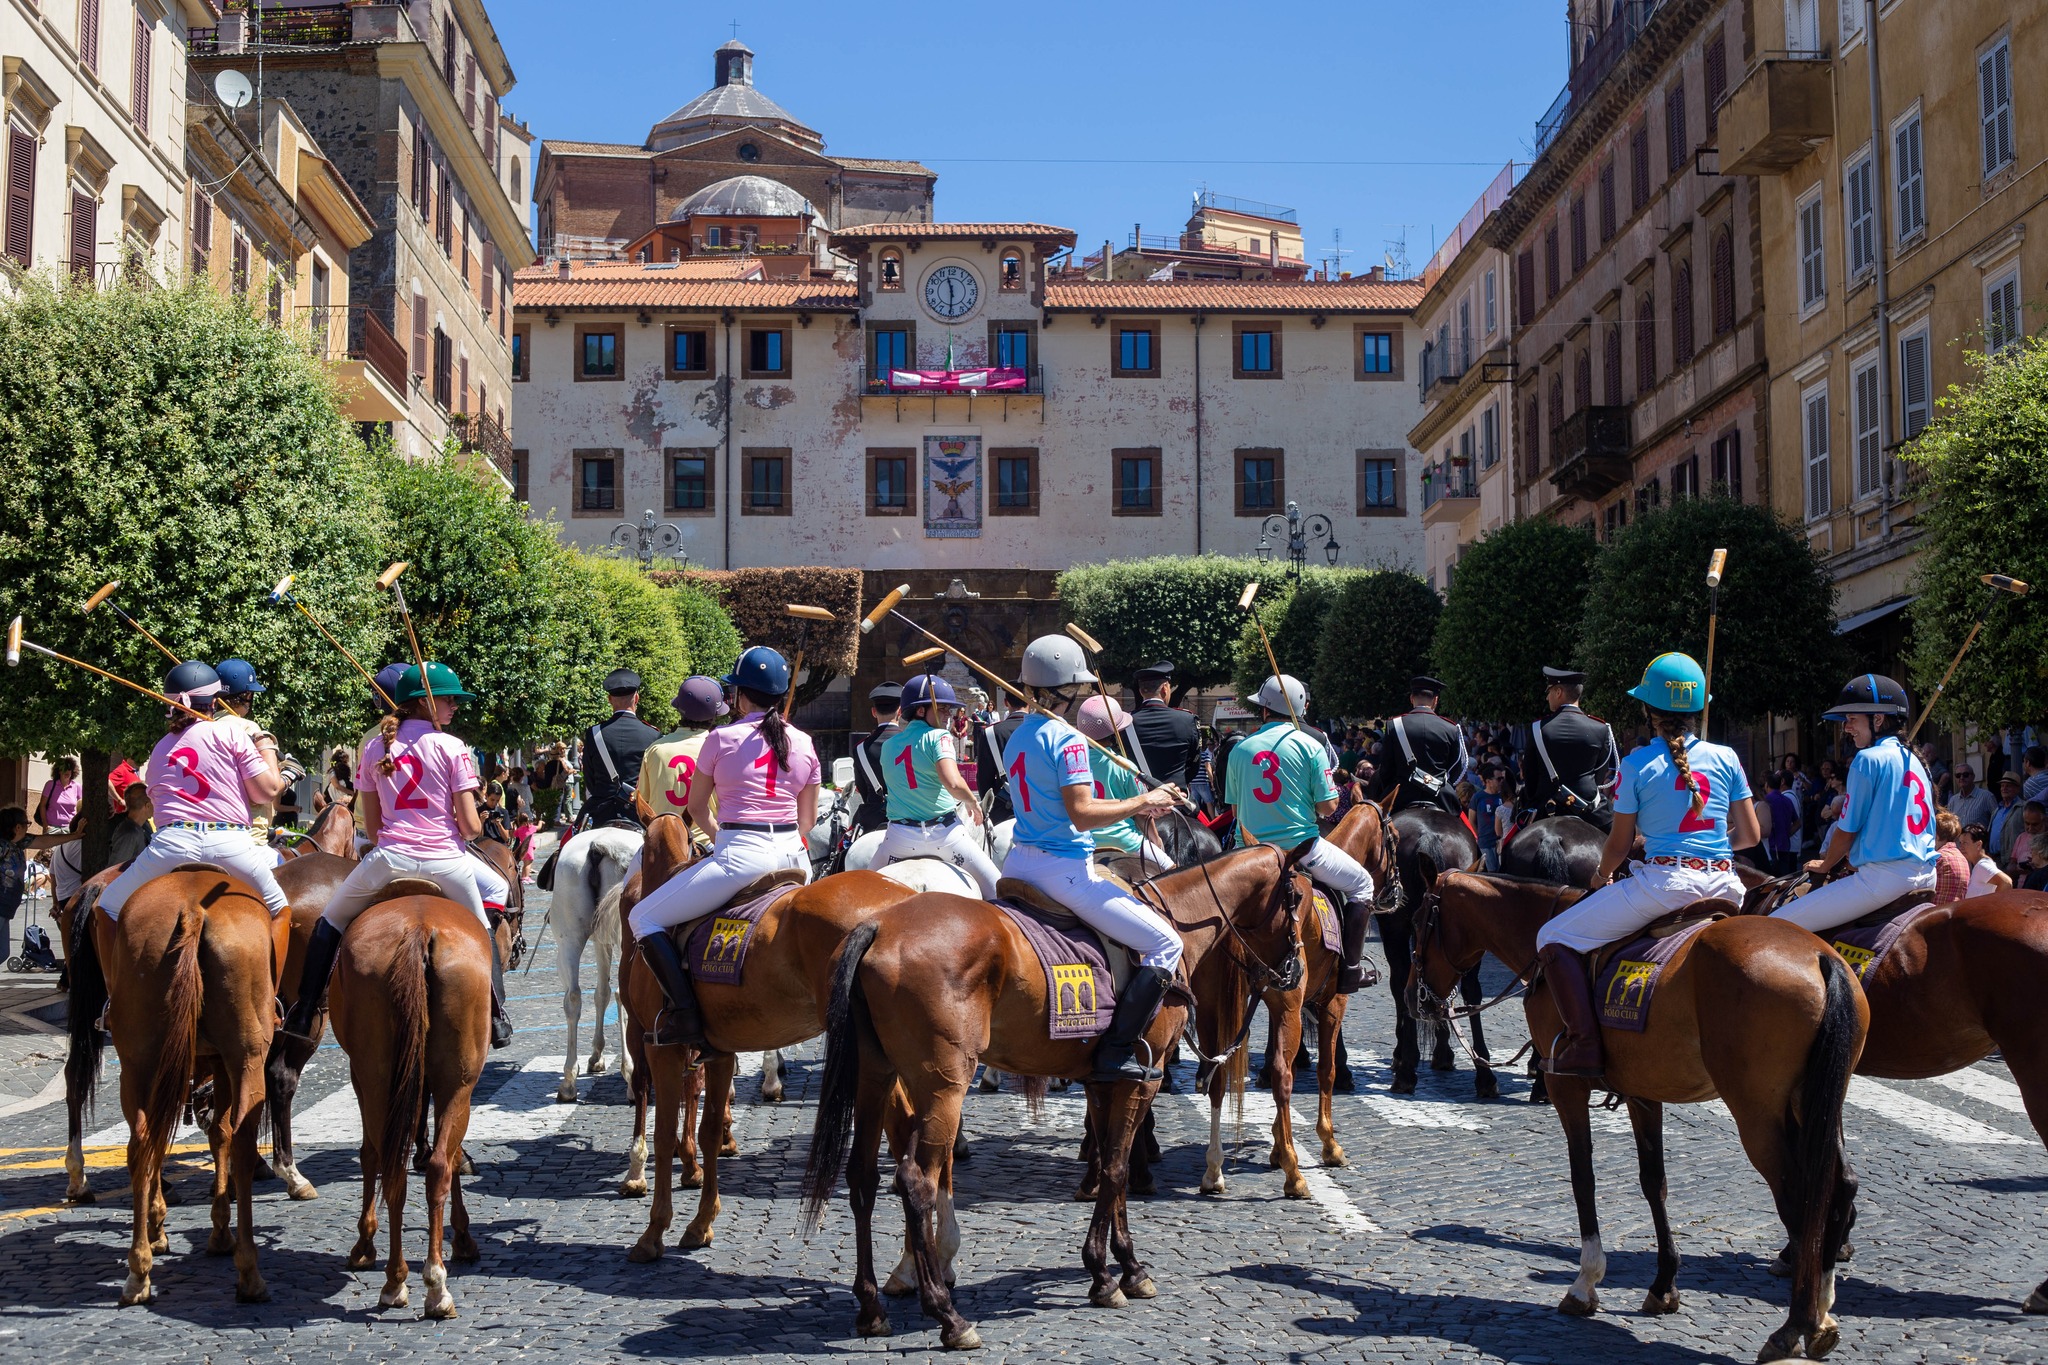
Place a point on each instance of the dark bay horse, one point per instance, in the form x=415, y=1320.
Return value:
x=932, y=985
x=1429, y=838
x=1561, y=849
x=1752, y=1010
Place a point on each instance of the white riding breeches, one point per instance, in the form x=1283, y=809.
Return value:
x=1869, y=888
x=739, y=856
x=382, y=866
x=493, y=890
x=1330, y=867
x=1077, y=884
x=958, y=843
x=232, y=849
x=1619, y=909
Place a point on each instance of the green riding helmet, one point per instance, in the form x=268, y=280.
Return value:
x=440, y=677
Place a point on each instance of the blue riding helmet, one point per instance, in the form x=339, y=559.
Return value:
x=925, y=689
x=238, y=676
x=1870, y=694
x=387, y=681
x=761, y=671
x=1673, y=682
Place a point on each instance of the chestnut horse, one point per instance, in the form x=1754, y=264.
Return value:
x=411, y=1000
x=780, y=1003
x=1755, y=1011
x=931, y=986
x=189, y=978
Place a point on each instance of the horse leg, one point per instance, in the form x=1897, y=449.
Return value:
x=665, y=1070
x=771, y=1077
x=1116, y=1109
x=1330, y=1017
x=595, y=1064
x=902, y=1281
x=1484, y=1086
x=1212, y=1170
x=364, y=1253
x=915, y=1183
x=221, y=1240
x=1091, y=1162
x=77, y=1189
x=2028, y=1059
x=635, y=1183
x=1283, y=1155
x=286, y=1063
x=246, y=1097
x=1144, y=1151
x=145, y=1157
x=726, y=1145
x=396, y=1294
x=569, y=968
x=1571, y=1097
x=718, y=1073
x=440, y=1181
x=1647, y=1118
x=863, y=1179
x=1395, y=938
x=686, y=1136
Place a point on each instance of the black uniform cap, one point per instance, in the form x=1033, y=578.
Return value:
x=1571, y=677
x=1423, y=683
x=890, y=692
x=621, y=680
x=1162, y=669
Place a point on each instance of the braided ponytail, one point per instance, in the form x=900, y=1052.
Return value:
x=774, y=729
x=387, y=730
x=1671, y=728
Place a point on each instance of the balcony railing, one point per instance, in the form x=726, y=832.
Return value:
x=1446, y=362
x=312, y=26
x=739, y=243
x=482, y=434
x=1444, y=480
x=1230, y=203
x=1034, y=385
x=1592, y=451
x=1593, y=62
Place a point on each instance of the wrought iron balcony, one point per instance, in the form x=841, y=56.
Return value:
x=1448, y=490
x=484, y=436
x=1592, y=452
x=1444, y=362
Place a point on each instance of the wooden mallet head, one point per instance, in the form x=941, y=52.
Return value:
x=282, y=593
x=2005, y=583
x=102, y=595
x=883, y=608
x=807, y=613
x=390, y=575
x=923, y=654
x=1251, y=590
x=1714, y=568
x=14, y=643
x=1084, y=639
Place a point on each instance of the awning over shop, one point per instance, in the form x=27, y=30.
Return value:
x=1877, y=613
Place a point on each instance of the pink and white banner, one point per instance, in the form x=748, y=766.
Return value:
x=952, y=381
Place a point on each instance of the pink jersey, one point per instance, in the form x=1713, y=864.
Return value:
x=197, y=774
x=752, y=788
x=417, y=799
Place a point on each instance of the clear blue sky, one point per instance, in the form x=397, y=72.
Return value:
x=1373, y=117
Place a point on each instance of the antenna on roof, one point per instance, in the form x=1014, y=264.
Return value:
x=1397, y=256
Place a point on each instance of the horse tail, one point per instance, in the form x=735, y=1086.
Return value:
x=183, y=996
x=1234, y=1073
x=1816, y=1160
x=88, y=1000
x=846, y=1027
x=405, y=984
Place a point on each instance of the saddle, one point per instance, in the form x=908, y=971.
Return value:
x=1864, y=943
x=715, y=945
x=407, y=886
x=1058, y=935
x=1696, y=915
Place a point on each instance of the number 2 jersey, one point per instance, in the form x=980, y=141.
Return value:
x=1890, y=806
x=1650, y=789
x=416, y=799
x=196, y=774
x=1276, y=777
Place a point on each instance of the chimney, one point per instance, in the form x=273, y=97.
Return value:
x=562, y=268
x=1108, y=255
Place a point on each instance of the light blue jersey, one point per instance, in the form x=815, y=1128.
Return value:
x=1890, y=806
x=1044, y=755
x=1650, y=789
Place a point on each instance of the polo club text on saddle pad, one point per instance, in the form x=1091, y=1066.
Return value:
x=1333, y=927
x=1628, y=982
x=1080, y=989
x=1864, y=947
x=717, y=945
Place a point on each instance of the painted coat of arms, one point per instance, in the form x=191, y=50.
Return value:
x=952, y=486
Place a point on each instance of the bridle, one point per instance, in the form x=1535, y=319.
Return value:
x=1423, y=1001
x=1262, y=975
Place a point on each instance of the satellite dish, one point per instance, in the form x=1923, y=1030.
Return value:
x=233, y=88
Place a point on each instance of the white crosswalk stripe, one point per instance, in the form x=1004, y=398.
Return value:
x=1930, y=1120
x=1986, y=1086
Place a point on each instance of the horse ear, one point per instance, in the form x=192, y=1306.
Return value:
x=1299, y=851
x=1386, y=803
x=642, y=812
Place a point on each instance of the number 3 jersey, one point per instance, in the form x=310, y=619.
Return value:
x=196, y=774
x=417, y=797
x=1890, y=806
x=1275, y=779
x=667, y=769
x=1650, y=789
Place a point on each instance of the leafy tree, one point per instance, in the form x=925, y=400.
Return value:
x=1986, y=511
x=754, y=601
x=642, y=633
x=1177, y=607
x=173, y=441
x=1775, y=649
x=1514, y=606
x=714, y=642
x=1375, y=638
x=1295, y=618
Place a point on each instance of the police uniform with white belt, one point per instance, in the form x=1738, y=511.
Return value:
x=1425, y=754
x=1572, y=758
x=612, y=751
x=870, y=779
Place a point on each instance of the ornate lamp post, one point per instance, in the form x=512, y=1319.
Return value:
x=1299, y=531
x=649, y=538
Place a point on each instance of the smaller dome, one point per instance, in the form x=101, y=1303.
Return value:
x=751, y=196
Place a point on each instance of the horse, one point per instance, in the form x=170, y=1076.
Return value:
x=1428, y=838
x=1561, y=849
x=333, y=832
x=923, y=987
x=1752, y=1010
x=309, y=881
x=188, y=979
x=411, y=1001
x=780, y=1004
x=593, y=863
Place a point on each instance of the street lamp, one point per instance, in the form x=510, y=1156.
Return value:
x=1299, y=531
x=648, y=538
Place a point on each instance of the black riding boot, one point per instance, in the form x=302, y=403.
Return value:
x=1116, y=1054
x=1356, y=974
x=501, y=1022
x=679, y=1022
x=1577, y=1051
x=320, y=951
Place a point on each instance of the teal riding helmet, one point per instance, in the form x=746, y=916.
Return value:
x=1673, y=682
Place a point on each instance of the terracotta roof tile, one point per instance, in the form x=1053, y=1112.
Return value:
x=607, y=286
x=868, y=232
x=561, y=148
x=697, y=268
x=869, y=163
x=1235, y=296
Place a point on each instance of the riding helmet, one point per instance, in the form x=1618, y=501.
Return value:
x=700, y=700
x=440, y=678
x=760, y=671
x=238, y=677
x=191, y=681
x=1054, y=661
x=1090, y=721
x=387, y=682
x=1870, y=694
x=1282, y=695
x=1673, y=682
x=926, y=689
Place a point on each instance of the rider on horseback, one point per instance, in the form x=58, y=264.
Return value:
x=239, y=687
x=1053, y=788
x=203, y=777
x=1426, y=755
x=933, y=813
x=1278, y=782
x=764, y=774
x=416, y=787
x=1691, y=800
x=670, y=763
x=1100, y=718
x=1887, y=825
x=1572, y=756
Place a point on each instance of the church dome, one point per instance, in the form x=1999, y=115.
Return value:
x=745, y=196
x=732, y=102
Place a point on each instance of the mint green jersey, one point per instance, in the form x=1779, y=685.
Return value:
x=910, y=765
x=1115, y=783
x=1275, y=781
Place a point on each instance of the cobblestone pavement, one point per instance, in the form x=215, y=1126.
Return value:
x=1450, y=1236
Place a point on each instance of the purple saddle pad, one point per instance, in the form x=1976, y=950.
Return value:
x=1628, y=982
x=1080, y=989
x=1863, y=947
x=716, y=948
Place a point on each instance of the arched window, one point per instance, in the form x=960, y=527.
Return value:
x=889, y=274
x=1012, y=276
x=1681, y=315
x=1724, y=282
x=1533, y=436
x=1582, y=381
x=1646, y=342
x=1611, y=351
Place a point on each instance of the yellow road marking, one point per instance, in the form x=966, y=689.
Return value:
x=96, y=1158
x=30, y=1213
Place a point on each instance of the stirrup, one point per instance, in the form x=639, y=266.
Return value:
x=1129, y=1069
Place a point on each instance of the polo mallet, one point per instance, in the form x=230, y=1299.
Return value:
x=1244, y=604
x=16, y=643
x=1714, y=568
x=388, y=581
x=1028, y=705
x=883, y=608
x=912, y=660
x=1996, y=582
x=803, y=638
x=108, y=591
x=281, y=596
x=1094, y=648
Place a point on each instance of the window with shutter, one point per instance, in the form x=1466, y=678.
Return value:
x=84, y=233
x=1578, y=234
x=202, y=233
x=1915, y=385
x=1727, y=466
x=1525, y=288
x=469, y=91
x=1677, y=146
x=1994, y=94
x=89, y=35
x=1492, y=308
x=1646, y=344
x=138, y=85
x=1639, y=168
x=448, y=53
x=1724, y=282
x=1681, y=315
x=2002, y=324
x=1607, y=218
x=1556, y=410
x=21, y=197
x=1611, y=361
x=1859, y=206
x=1717, y=77
x=491, y=130
x=462, y=391
x=1813, y=261
x=1909, y=177
x=487, y=278
x=1551, y=282
x=238, y=257
x=1863, y=421
x=1819, y=489
x=420, y=162
x=444, y=369
x=1582, y=381
x=419, y=335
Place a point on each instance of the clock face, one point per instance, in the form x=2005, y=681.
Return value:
x=951, y=291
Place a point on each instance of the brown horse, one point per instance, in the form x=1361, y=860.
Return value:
x=933, y=985
x=411, y=1000
x=1755, y=1011
x=310, y=880
x=332, y=832
x=780, y=1004
x=190, y=974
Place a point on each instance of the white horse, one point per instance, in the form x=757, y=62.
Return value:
x=594, y=862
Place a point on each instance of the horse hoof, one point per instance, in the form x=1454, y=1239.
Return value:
x=1781, y=1268
x=1819, y=1343
x=137, y=1290
x=990, y=1083
x=692, y=1180
x=1848, y=1250
x=632, y=1189
x=361, y=1257
x=440, y=1310
x=1108, y=1296
x=2037, y=1302
x=645, y=1251
x=160, y=1244
x=1142, y=1185
x=302, y=1190
x=771, y=1096
x=694, y=1237
x=1571, y=1305
x=966, y=1339
x=1485, y=1086
x=395, y=1298
x=1085, y=1194
x=466, y=1168
x=594, y=1067
x=220, y=1243
x=82, y=1195
x=1443, y=1063
x=1334, y=1156
x=1140, y=1287
x=1783, y=1345
x=260, y=1293
x=899, y=1288
x=1657, y=1304
x=729, y=1147
x=466, y=1250
x=877, y=1326
x=1297, y=1188
x=1404, y=1083
x=1217, y=1186
x=566, y=1095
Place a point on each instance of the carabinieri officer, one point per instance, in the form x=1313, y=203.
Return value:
x=1571, y=755
x=1425, y=753
x=612, y=752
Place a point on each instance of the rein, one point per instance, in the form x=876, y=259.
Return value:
x=1428, y=929
x=1263, y=976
